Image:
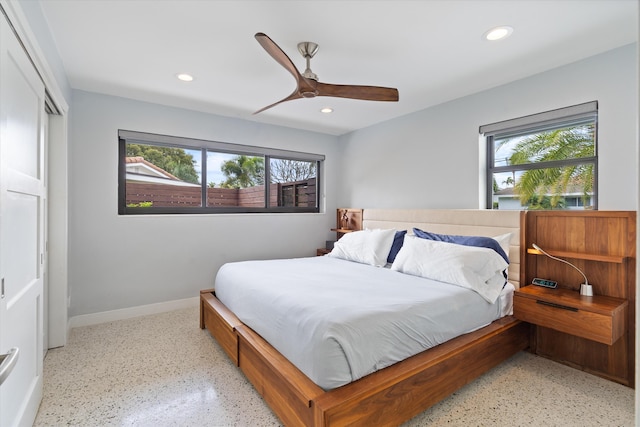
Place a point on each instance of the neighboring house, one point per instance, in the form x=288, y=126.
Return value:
x=507, y=199
x=143, y=171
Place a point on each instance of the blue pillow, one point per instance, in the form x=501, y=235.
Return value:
x=480, y=241
x=398, y=240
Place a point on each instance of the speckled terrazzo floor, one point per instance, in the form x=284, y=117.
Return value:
x=162, y=370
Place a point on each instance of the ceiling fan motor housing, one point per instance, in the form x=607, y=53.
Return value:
x=310, y=89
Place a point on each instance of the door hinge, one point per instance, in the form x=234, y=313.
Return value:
x=2, y=290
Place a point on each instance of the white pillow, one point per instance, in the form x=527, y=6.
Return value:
x=365, y=246
x=471, y=267
x=504, y=240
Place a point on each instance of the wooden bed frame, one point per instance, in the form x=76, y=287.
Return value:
x=399, y=392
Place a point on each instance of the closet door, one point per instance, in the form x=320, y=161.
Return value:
x=22, y=209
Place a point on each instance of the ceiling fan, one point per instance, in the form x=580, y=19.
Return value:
x=308, y=85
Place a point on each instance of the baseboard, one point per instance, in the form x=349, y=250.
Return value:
x=128, y=313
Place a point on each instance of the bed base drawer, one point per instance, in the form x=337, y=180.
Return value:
x=286, y=389
x=220, y=322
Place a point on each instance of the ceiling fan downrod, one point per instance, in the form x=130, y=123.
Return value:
x=307, y=50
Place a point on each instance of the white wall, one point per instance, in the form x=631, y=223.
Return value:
x=46, y=46
x=126, y=261
x=430, y=159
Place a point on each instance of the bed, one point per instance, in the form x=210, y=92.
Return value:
x=386, y=395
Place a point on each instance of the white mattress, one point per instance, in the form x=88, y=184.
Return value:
x=338, y=321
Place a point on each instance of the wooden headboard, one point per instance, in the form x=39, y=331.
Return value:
x=466, y=222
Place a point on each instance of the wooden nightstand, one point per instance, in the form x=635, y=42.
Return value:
x=598, y=318
x=322, y=251
x=595, y=334
x=347, y=221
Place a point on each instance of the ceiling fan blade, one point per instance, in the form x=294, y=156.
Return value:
x=368, y=93
x=294, y=95
x=278, y=54
x=308, y=86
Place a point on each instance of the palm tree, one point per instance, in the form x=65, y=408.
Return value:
x=243, y=172
x=573, y=142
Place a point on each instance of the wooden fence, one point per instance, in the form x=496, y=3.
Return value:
x=299, y=193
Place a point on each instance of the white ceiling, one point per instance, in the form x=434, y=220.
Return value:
x=431, y=50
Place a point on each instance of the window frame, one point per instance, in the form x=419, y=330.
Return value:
x=134, y=137
x=527, y=125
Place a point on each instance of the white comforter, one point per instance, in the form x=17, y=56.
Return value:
x=338, y=321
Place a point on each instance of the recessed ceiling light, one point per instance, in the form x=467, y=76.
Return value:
x=185, y=77
x=326, y=110
x=498, y=33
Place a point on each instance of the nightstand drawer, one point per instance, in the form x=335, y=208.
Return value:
x=571, y=314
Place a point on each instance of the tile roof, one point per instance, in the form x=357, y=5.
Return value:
x=140, y=159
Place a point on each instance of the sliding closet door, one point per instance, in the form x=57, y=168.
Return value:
x=22, y=208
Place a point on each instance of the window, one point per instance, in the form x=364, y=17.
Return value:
x=164, y=175
x=543, y=161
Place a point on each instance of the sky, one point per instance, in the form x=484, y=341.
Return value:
x=214, y=162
